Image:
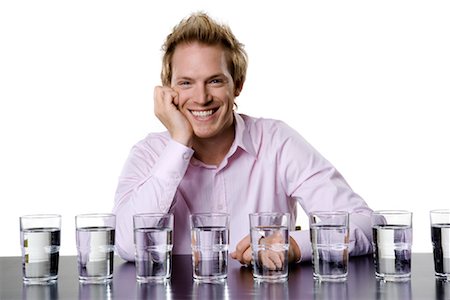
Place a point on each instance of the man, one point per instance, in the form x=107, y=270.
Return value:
x=212, y=159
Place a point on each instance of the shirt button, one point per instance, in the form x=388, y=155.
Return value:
x=186, y=156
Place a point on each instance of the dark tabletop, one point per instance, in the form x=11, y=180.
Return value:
x=361, y=283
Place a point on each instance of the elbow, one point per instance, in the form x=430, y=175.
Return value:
x=124, y=238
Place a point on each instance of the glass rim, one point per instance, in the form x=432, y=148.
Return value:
x=213, y=214
x=392, y=212
x=268, y=213
x=40, y=216
x=95, y=215
x=440, y=211
x=329, y=212
x=161, y=215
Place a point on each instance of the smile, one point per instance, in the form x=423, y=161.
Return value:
x=203, y=113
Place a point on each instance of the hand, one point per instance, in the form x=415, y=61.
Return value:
x=166, y=107
x=271, y=256
x=243, y=252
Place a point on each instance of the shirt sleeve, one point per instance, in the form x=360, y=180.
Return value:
x=148, y=184
x=317, y=185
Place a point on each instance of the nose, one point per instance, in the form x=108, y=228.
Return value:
x=201, y=94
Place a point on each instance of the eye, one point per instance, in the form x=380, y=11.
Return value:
x=216, y=81
x=184, y=83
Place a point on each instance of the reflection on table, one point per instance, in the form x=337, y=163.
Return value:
x=361, y=283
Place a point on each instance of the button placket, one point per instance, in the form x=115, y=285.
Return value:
x=220, y=191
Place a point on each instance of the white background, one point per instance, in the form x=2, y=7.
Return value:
x=365, y=82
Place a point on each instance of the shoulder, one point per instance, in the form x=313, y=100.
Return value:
x=269, y=127
x=271, y=137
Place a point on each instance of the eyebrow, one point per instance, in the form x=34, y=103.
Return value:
x=221, y=75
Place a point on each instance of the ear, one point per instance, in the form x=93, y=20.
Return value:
x=238, y=89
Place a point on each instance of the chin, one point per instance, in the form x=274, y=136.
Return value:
x=205, y=133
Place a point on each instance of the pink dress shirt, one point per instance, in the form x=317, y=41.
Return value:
x=268, y=168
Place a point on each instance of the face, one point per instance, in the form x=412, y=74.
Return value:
x=205, y=87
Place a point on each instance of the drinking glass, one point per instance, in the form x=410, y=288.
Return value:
x=40, y=237
x=440, y=238
x=329, y=240
x=210, y=240
x=154, y=242
x=95, y=236
x=392, y=240
x=269, y=236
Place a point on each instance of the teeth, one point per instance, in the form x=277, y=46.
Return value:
x=202, y=113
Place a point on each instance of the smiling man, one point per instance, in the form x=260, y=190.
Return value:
x=213, y=159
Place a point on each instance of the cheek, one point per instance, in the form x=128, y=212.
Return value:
x=182, y=98
x=225, y=96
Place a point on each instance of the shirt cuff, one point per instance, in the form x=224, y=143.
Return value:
x=173, y=162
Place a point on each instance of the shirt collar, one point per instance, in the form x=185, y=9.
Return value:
x=242, y=140
x=242, y=137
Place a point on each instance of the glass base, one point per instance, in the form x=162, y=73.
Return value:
x=330, y=278
x=210, y=279
x=41, y=281
x=95, y=280
x=443, y=277
x=393, y=277
x=149, y=279
x=260, y=279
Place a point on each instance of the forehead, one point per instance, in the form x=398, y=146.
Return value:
x=199, y=58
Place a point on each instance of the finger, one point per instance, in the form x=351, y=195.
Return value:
x=277, y=258
x=158, y=98
x=170, y=97
x=247, y=257
x=264, y=256
x=241, y=248
x=175, y=99
x=164, y=94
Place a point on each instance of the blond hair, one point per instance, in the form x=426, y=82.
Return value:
x=199, y=27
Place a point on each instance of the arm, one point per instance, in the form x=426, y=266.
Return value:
x=153, y=170
x=317, y=185
x=148, y=183
x=331, y=192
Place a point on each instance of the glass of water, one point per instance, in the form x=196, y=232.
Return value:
x=210, y=239
x=440, y=238
x=329, y=240
x=269, y=237
x=154, y=242
x=95, y=235
x=40, y=238
x=392, y=241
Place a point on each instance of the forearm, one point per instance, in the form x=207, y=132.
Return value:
x=147, y=186
x=360, y=233
x=152, y=196
x=360, y=236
